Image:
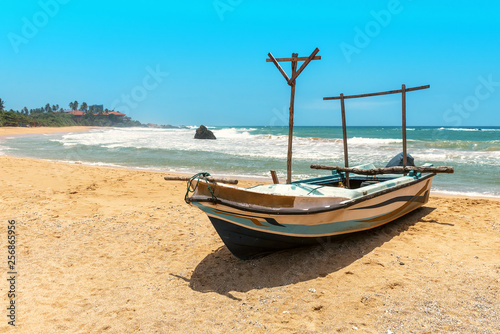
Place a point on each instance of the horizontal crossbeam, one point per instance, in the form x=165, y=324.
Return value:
x=387, y=170
x=378, y=93
x=293, y=59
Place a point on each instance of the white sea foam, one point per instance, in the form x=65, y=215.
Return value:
x=372, y=141
x=439, y=191
x=467, y=129
x=233, y=133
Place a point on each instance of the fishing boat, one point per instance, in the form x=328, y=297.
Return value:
x=256, y=221
x=263, y=219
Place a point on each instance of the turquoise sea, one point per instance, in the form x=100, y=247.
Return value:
x=251, y=152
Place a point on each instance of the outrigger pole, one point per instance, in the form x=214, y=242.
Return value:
x=403, y=91
x=291, y=82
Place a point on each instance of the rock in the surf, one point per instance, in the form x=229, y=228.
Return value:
x=203, y=133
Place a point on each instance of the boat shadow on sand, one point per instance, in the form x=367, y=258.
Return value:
x=223, y=273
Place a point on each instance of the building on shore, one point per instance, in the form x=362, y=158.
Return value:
x=79, y=114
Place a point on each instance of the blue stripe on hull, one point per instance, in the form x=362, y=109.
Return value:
x=420, y=199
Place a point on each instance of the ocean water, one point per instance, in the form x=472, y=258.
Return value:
x=251, y=152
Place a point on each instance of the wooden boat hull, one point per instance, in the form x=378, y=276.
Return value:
x=253, y=231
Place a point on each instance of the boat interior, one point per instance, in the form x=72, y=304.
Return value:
x=335, y=185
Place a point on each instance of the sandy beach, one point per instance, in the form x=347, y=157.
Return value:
x=105, y=250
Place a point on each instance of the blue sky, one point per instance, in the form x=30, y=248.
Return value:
x=203, y=62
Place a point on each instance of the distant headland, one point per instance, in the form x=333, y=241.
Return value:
x=77, y=115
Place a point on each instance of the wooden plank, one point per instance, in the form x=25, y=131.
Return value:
x=378, y=93
x=387, y=170
x=274, y=177
x=211, y=179
x=279, y=67
x=292, y=59
x=344, y=136
x=294, y=76
x=403, y=98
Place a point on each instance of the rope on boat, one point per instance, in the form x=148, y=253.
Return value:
x=200, y=176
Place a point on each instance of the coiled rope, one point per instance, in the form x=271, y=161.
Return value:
x=198, y=177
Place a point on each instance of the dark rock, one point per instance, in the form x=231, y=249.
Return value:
x=203, y=133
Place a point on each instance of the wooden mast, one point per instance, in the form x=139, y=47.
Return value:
x=344, y=136
x=403, y=103
x=291, y=82
x=290, y=121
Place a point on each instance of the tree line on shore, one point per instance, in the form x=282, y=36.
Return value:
x=53, y=115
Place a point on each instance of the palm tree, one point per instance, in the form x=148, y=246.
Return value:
x=48, y=108
x=71, y=106
x=2, y=104
x=75, y=104
x=84, y=106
